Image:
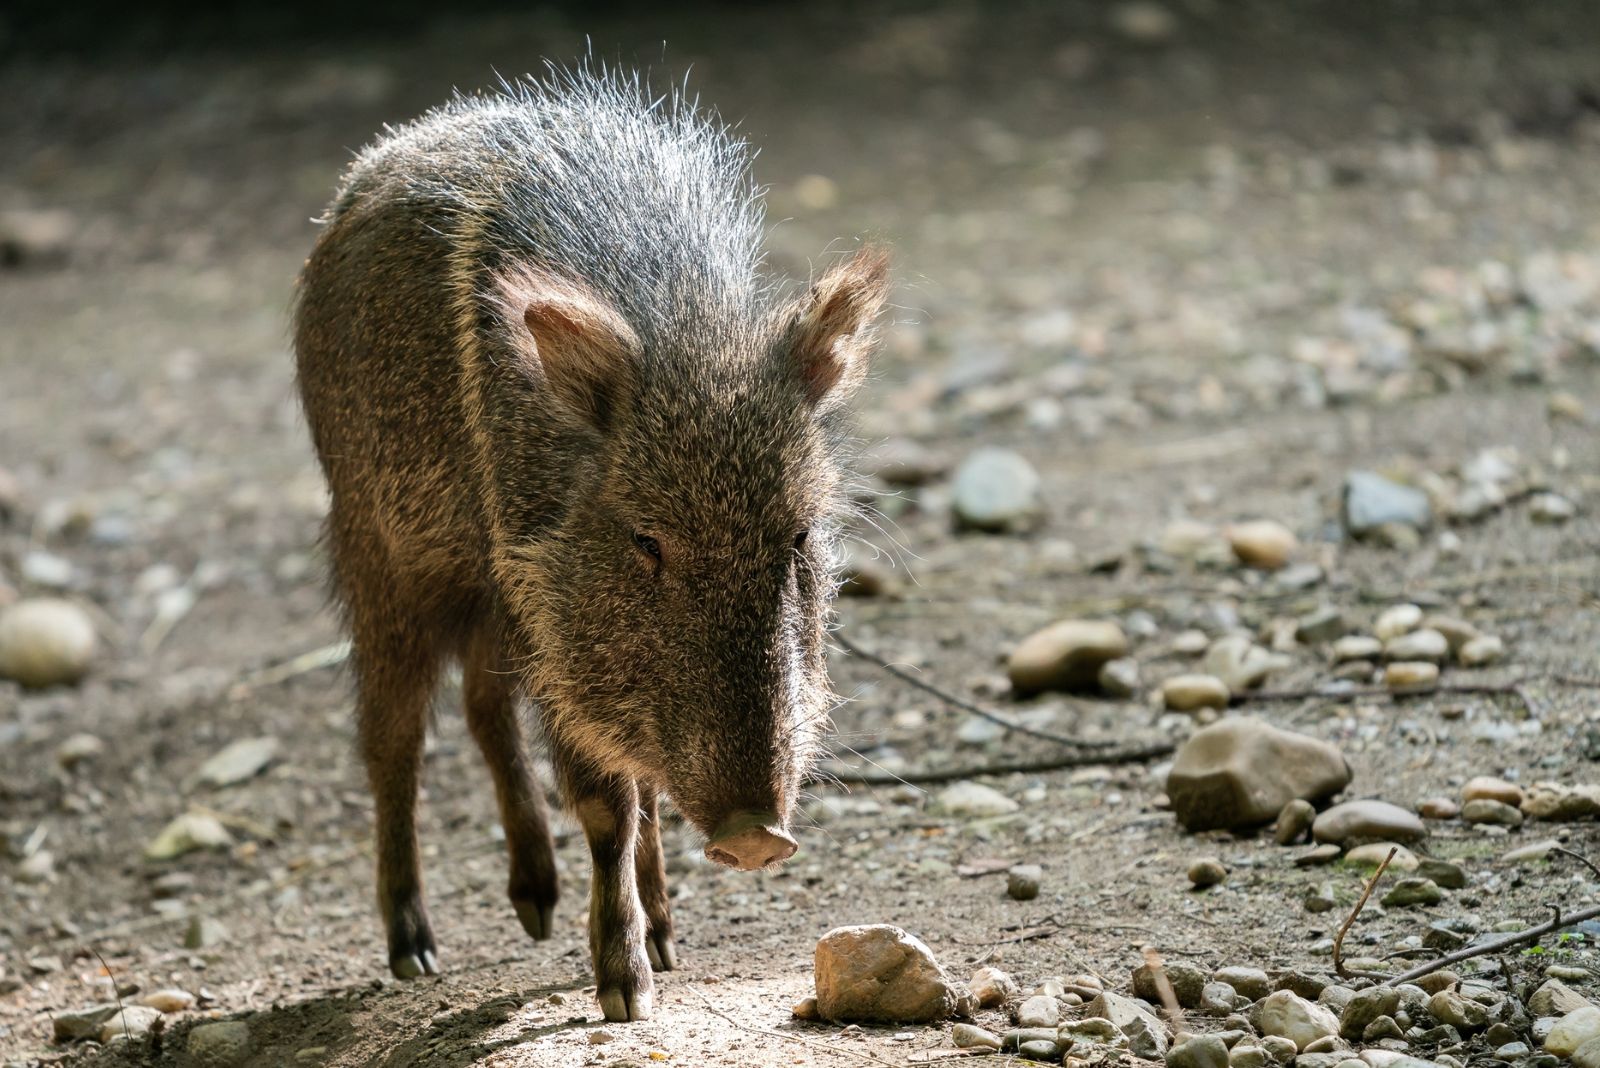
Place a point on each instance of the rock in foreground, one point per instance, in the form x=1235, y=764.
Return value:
x=881, y=973
x=1241, y=772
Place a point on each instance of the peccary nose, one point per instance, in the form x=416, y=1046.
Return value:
x=747, y=841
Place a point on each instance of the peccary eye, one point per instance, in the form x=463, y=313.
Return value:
x=800, y=540
x=648, y=545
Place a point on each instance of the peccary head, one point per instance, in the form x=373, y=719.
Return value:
x=673, y=580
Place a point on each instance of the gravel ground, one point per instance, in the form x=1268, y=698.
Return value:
x=1194, y=264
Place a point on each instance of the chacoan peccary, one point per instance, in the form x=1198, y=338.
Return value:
x=578, y=441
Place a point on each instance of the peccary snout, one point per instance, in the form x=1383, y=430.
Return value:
x=751, y=840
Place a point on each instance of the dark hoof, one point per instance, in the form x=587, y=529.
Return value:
x=621, y=1005
x=412, y=951
x=662, y=952
x=414, y=965
x=538, y=920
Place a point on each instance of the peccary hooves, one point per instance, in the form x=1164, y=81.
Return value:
x=574, y=440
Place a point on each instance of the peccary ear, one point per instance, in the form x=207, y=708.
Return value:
x=829, y=331
x=571, y=340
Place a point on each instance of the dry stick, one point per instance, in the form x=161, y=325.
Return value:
x=1513, y=689
x=1136, y=755
x=957, y=701
x=868, y=1057
x=1344, y=929
x=1532, y=934
x=116, y=988
x=1580, y=858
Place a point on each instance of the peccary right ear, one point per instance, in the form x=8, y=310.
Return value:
x=829, y=333
x=571, y=341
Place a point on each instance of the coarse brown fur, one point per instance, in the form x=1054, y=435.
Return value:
x=575, y=440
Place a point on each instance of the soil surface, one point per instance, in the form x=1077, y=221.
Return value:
x=1200, y=268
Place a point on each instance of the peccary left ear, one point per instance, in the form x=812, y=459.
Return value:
x=829, y=332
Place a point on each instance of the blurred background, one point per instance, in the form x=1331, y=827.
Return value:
x=1193, y=261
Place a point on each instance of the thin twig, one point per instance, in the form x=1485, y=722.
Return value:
x=1344, y=929
x=1532, y=934
x=116, y=989
x=957, y=701
x=1580, y=858
x=1135, y=755
x=868, y=1057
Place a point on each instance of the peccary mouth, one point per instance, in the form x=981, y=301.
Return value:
x=749, y=841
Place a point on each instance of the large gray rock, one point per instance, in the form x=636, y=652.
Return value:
x=1241, y=772
x=881, y=973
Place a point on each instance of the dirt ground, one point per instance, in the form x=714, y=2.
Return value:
x=1150, y=258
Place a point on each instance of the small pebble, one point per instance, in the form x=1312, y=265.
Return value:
x=1414, y=891
x=1207, y=871
x=1484, y=810
x=1262, y=544
x=1439, y=808
x=1294, y=822
x=1398, y=620
x=1482, y=651
x=600, y=1036
x=1373, y=853
x=1022, y=882
x=170, y=999
x=804, y=1009
x=1320, y=899
x=1041, y=1010
x=1411, y=676
x=992, y=987
x=1119, y=678
x=1356, y=647
x=1326, y=624
x=1187, y=693
x=1421, y=644
x=1492, y=789
x=1551, y=508
x=997, y=490
x=45, y=642
x=78, y=749
x=969, y=1036
x=1065, y=656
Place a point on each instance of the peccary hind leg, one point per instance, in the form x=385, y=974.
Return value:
x=397, y=677
x=607, y=806
x=651, y=870
x=490, y=690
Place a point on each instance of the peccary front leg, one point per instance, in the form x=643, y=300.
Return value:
x=607, y=806
x=396, y=680
x=490, y=691
x=651, y=870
